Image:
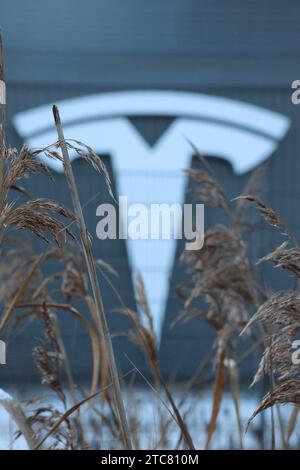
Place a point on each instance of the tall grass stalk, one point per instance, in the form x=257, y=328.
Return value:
x=90, y=263
x=2, y=121
x=17, y=414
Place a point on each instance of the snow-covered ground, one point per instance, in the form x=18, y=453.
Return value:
x=147, y=410
x=7, y=433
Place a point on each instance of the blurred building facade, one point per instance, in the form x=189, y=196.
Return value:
x=247, y=52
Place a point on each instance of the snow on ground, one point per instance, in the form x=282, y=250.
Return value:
x=197, y=409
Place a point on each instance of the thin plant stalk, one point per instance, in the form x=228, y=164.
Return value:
x=271, y=380
x=292, y=423
x=234, y=385
x=8, y=312
x=17, y=414
x=2, y=123
x=101, y=318
x=72, y=410
x=69, y=374
x=95, y=341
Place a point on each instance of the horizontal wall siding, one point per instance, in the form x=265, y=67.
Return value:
x=194, y=27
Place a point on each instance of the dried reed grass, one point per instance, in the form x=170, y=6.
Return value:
x=220, y=274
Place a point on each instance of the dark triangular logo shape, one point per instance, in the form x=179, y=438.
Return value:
x=151, y=127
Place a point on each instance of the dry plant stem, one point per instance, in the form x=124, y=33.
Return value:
x=181, y=423
x=271, y=380
x=64, y=358
x=217, y=399
x=19, y=292
x=15, y=411
x=234, y=385
x=2, y=123
x=281, y=428
x=280, y=421
x=173, y=411
x=72, y=410
x=159, y=381
x=292, y=423
x=95, y=341
x=69, y=374
x=101, y=318
x=272, y=385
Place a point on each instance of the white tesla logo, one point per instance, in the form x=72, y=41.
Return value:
x=241, y=133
